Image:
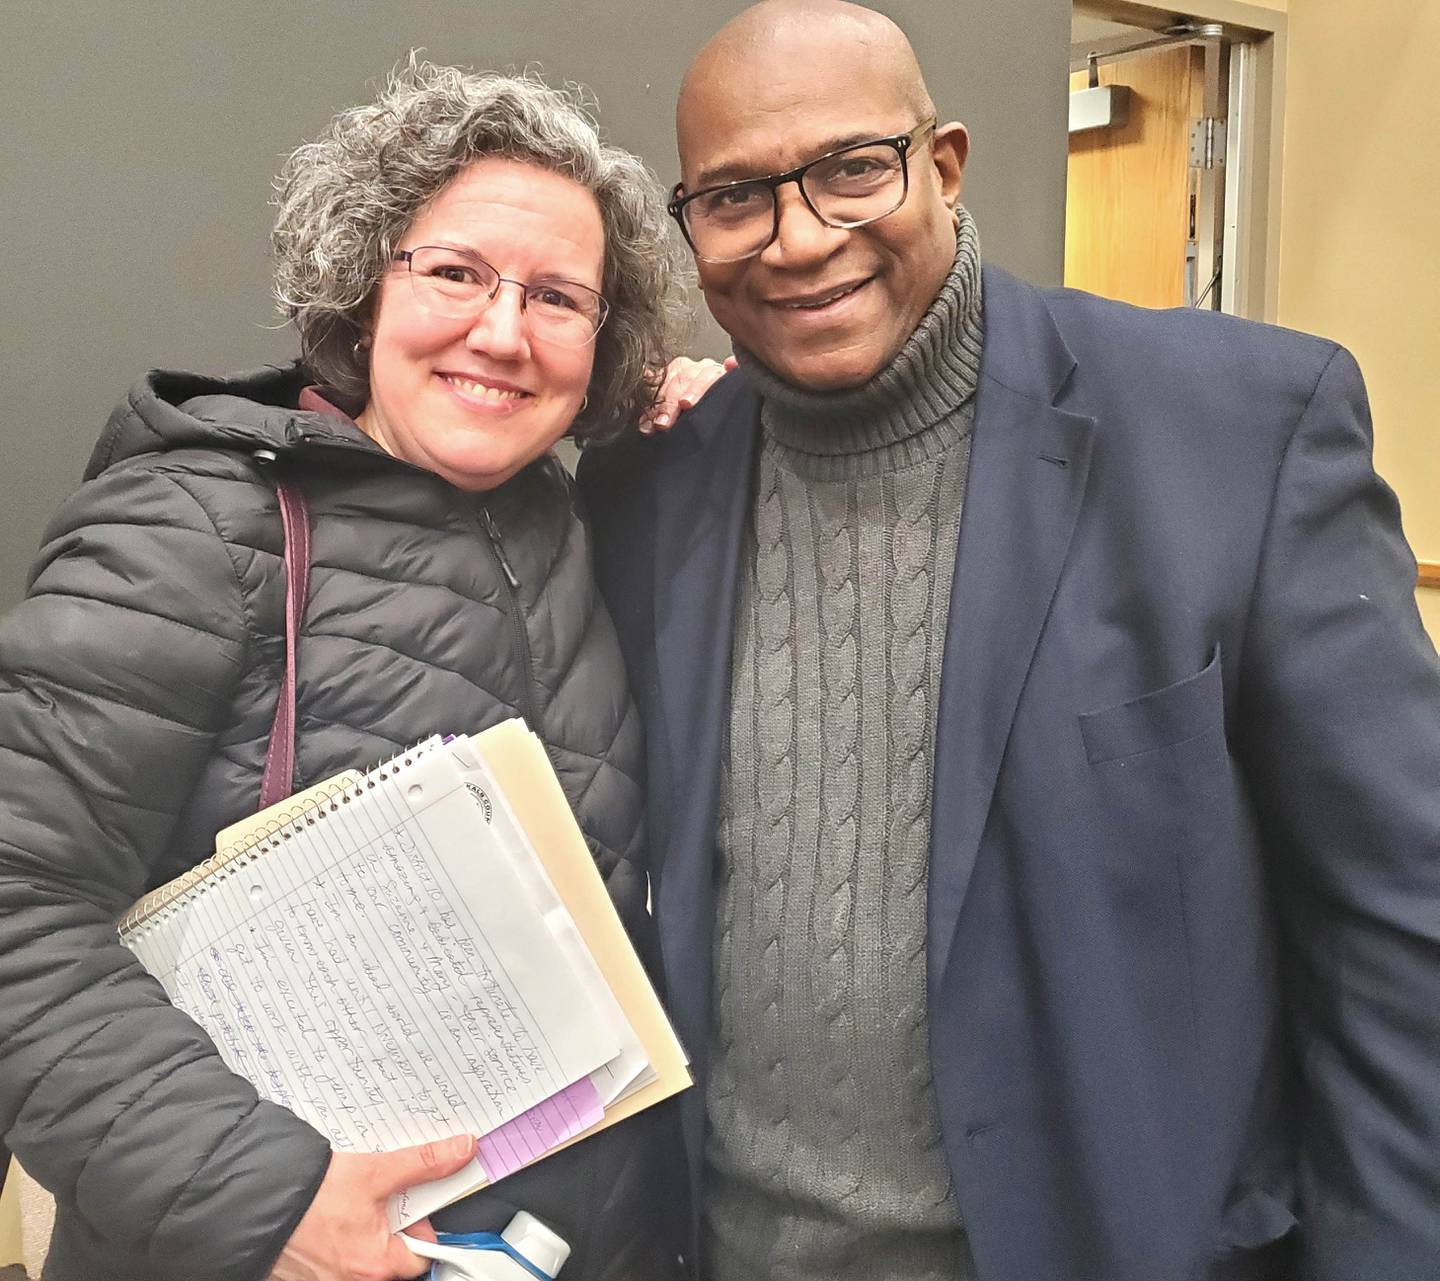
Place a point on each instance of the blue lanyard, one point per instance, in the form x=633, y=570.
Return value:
x=488, y=1241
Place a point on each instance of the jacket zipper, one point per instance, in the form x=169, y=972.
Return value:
x=491, y=538
x=499, y=547
x=488, y=534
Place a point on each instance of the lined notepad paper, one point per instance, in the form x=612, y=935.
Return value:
x=396, y=960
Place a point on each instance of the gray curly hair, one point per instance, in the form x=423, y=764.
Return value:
x=346, y=200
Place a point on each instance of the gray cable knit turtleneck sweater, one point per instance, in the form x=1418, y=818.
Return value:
x=823, y=1157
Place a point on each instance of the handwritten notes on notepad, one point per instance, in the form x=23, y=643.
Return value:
x=381, y=967
x=423, y=950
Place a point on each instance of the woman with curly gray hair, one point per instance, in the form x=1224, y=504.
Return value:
x=347, y=202
x=318, y=565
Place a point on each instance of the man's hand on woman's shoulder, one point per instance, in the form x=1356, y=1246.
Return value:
x=682, y=384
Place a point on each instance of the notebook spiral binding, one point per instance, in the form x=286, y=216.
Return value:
x=163, y=902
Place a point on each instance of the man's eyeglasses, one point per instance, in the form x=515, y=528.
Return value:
x=460, y=285
x=850, y=187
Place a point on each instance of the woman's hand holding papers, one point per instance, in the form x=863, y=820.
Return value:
x=345, y=1234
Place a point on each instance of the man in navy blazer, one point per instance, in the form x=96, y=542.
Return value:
x=1177, y=909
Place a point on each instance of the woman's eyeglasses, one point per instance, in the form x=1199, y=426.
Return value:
x=459, y=284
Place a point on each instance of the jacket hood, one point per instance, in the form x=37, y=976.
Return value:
x=169, y=409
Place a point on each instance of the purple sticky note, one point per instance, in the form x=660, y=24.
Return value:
x=547, y=1125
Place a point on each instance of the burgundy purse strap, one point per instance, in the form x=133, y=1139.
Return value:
x=278, y=781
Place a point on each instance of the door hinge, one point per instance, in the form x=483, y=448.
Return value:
x=1207, y=143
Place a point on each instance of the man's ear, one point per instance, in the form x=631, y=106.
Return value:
x=950, y=148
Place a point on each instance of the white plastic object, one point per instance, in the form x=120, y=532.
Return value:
x=525, y=1234
x=542, y=1247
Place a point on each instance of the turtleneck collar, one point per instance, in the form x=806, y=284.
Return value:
x=931, y=376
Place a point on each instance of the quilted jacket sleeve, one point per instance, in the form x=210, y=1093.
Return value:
x=116, y=673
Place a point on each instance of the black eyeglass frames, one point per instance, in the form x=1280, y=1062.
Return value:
x=849, y=187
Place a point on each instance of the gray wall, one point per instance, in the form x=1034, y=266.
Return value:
x=138, y=140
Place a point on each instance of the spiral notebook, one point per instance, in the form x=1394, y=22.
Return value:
x=422, y=949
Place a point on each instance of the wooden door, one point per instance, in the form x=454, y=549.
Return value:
x=1127, y=208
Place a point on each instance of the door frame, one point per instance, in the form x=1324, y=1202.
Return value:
x=1255, y=127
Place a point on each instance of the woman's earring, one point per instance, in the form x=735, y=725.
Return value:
x=584, y=402
x=362, y=344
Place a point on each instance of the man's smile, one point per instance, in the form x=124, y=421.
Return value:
x=820, y=301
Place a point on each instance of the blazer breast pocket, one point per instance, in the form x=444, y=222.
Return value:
x=1164, y=717
x=1169, y=855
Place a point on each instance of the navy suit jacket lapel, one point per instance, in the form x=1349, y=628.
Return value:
x=701, y=512
x=1028, y=467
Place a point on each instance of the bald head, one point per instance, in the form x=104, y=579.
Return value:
x=796, y=102
x=796, y=39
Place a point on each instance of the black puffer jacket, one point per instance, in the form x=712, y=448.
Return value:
x=137, y=685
